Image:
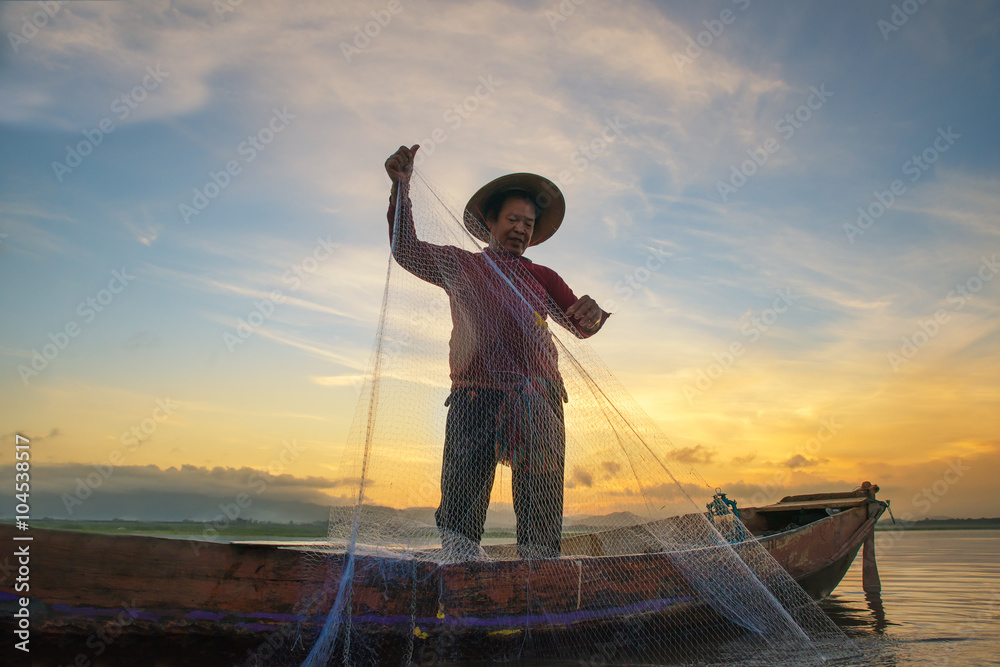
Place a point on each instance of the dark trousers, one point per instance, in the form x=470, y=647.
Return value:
x=469, y=468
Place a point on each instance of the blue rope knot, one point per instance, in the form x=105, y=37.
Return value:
x=722, y=506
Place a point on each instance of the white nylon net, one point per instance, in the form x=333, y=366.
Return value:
x=515, y=502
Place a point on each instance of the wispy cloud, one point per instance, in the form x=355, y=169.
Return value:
x=555, y=93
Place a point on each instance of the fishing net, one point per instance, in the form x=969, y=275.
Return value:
x=513, y=500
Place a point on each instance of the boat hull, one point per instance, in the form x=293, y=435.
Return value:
x=145, y=586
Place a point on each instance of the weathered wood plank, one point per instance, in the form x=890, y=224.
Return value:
x=836, y=503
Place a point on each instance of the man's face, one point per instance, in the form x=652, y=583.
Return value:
x=513, y=226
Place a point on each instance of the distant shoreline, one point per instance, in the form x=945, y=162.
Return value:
x=193, y=529
x=900, y=526
x=903, y=527
x=939, y=524
x=318, y=529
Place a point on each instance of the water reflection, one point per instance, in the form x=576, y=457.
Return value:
x=874, y=600
x=856, y=617
x=939, y=604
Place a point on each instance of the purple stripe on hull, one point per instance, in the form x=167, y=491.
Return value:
x=206, y=615
x=522, y=620
x=91, y=612
x=197, y=615
x=242, y=621
x=253, y=627
x=285, y=618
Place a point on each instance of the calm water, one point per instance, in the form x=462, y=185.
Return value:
x=939, y=605
x=940, y=600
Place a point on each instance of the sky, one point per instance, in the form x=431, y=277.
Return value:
x=791, y=208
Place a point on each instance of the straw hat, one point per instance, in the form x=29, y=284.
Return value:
x=544, y=193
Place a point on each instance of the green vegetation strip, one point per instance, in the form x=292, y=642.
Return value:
x=236, y=529
x=939, y=524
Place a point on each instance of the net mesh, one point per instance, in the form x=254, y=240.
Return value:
x=514, y=501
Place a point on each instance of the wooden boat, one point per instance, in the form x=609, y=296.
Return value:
x=82, y=582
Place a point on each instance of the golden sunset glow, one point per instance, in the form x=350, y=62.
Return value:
x=783, y=342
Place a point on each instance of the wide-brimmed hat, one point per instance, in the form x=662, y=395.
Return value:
x=545, y=194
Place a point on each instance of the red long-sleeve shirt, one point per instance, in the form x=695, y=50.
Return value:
x=499, y=304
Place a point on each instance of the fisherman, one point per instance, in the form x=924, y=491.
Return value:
x=506, y=403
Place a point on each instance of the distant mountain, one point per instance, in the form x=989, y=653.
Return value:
x=148, y=505
x=420, y=514
x=171, y=506
x=612, y=520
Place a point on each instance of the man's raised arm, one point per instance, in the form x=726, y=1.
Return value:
x=424, y=260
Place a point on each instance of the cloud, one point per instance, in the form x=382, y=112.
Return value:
x=118, y=40
x=145, y=229
x=217, y=481
x=579, y=477
x=77, y=490
x=35, y=233
x=12, y=436
x=667, y=491
x=350, y=380
x=961, y=483
x=697, y=454
x=800, y=461
x=748, y=494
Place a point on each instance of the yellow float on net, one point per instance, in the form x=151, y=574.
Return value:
x=515, y=631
